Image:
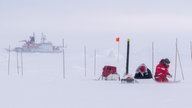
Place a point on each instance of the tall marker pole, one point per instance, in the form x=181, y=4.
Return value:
x=180, y=63
x=127, y=61
x=153, y=57
x=85, y=59
x=178, y=55
x=95, y=62
x=21, y=63
x=191, y=49
x=17, y=62
x=118, y=40
x=118, y=49
x=9, y=60
x=175, y=61
x=63, y=60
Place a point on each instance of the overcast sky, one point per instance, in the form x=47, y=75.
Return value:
x=95, y=15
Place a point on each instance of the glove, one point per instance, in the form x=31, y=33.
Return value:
x=157, y=76
x=169, y=76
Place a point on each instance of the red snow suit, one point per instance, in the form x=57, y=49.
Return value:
x=162, y=72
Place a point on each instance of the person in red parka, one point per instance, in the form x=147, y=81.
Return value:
x=162, y=71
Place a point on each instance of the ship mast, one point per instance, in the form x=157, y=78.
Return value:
x=43, y=38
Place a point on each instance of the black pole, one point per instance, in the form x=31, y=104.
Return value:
x=127, y=62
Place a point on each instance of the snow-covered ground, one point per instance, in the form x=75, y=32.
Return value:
x=42, y=84
x=94, y=25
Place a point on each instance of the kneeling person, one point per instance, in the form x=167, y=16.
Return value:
x=142, y=72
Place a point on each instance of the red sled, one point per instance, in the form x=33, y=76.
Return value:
x=110, y=73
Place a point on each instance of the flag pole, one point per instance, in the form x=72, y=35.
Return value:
x=118, y=49
x=153, y=57
x=17, y=62
x=63, y=59
x=9, y=51
x=180, y=63
x=178, y=55
x=95, y=62
x=191, y=49
x=21, y=63
x=175, y=61
x=127, y=61
x=85, y=60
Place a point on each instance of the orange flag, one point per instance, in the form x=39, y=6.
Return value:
x=117, y=39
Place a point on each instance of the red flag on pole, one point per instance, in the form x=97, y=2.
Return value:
x=117, y=39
